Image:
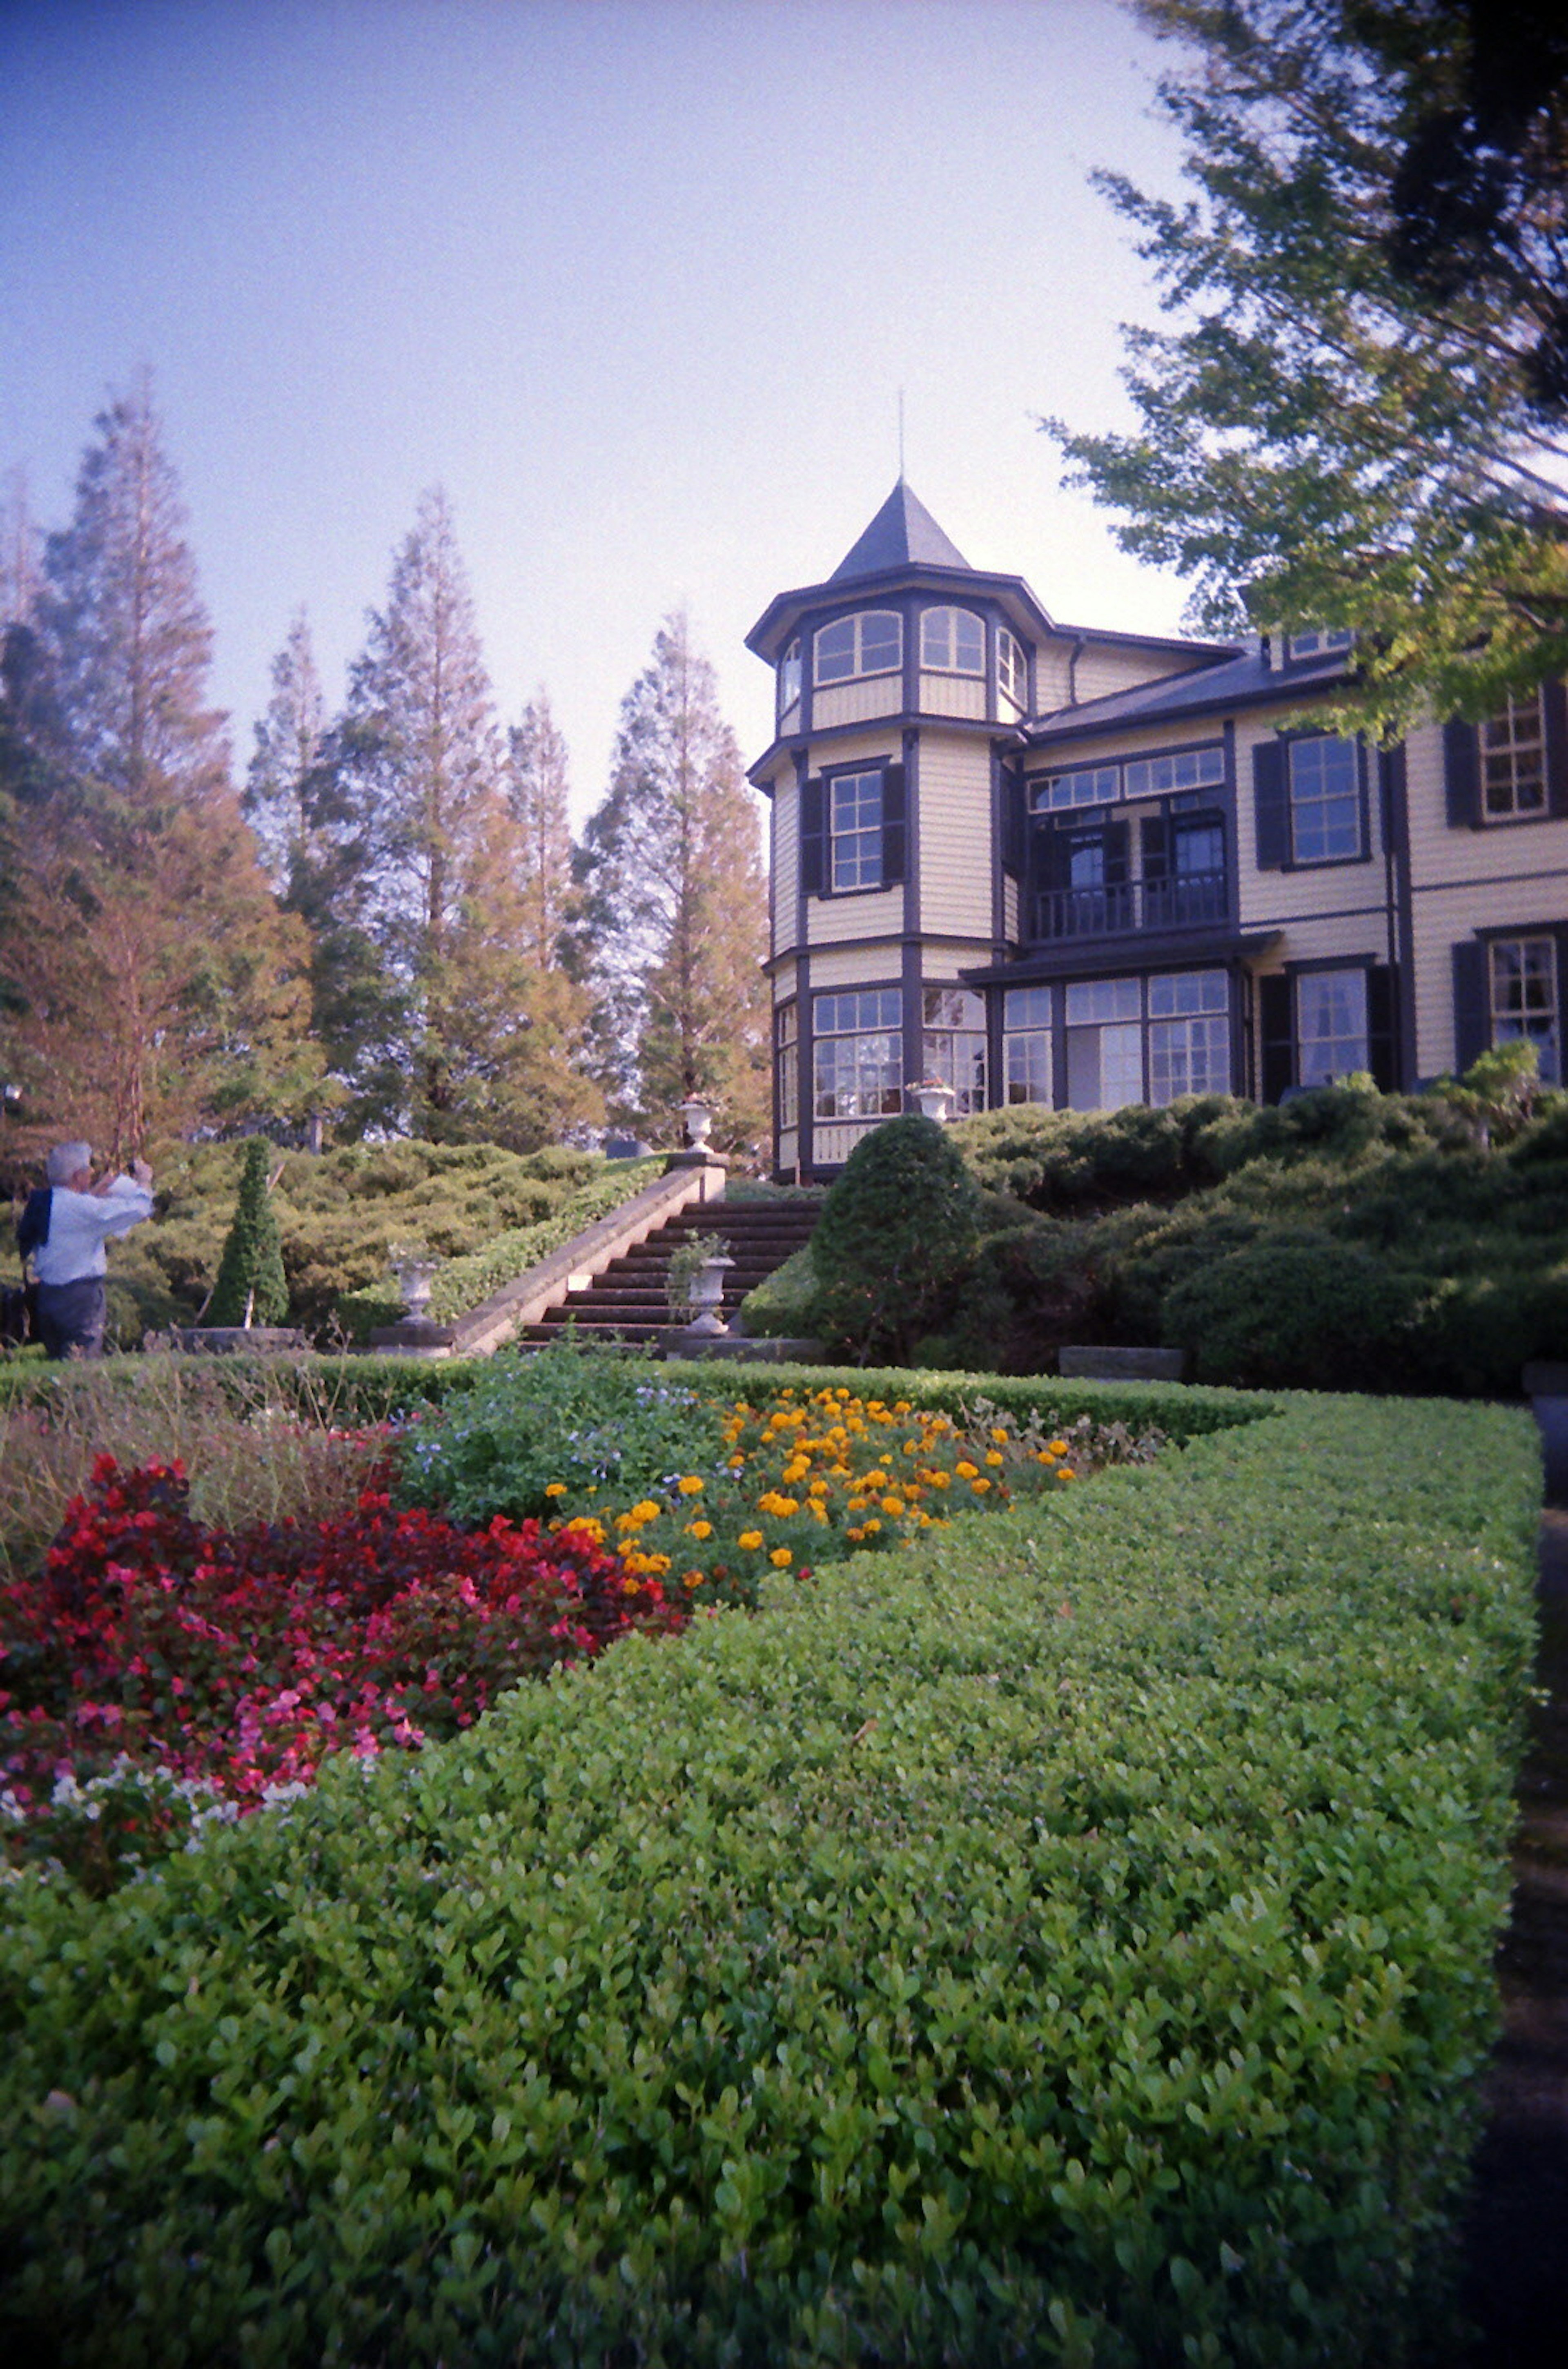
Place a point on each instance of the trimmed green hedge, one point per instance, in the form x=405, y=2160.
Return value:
x=1071, y=1942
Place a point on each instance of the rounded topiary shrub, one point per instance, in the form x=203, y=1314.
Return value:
x=896, y=1230
x=251, y=1288
x=1303, y=1313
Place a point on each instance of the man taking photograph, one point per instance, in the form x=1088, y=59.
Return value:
x=68, y=1259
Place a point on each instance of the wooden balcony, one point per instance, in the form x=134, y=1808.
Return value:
x=1186, y=900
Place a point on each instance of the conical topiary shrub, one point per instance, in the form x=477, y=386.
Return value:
x=251, y=1288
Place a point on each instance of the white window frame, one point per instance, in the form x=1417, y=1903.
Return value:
x=954, y=1045
x=1320, y=641
x=856, y=818
x=856, y=664
x=857, y=1054
x=1511, y=748
x=940, y=639
x=789, y=678
x=1028, y=1048
x=1349, y=1051
x=1511, y=1022
x=1012, y=668
x=787, y=1062
x=1316, y=799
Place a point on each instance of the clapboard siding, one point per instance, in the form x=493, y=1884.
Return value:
x=872, y=914
x=856, y=703
x=876, y=965
x=955, y=835
x=1448, y=917
x=1443, y=856
x=949, y=694
x=786, y=863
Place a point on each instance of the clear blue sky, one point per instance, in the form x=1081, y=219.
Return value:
x=637, y=281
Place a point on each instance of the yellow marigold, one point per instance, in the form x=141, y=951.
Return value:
x=1067, y=1473
x=750, y=1539
x=873, y=1525
x=1058, y=1447
x=1045, y=1455
x=689, y=1484
x=780, y=1558
x=998, y=1432
x=993, y=1456
x=691, y=1578
x=893, y=1507
x=942, y=1480
x=555, y=1488
x=818, y=1488
x=966, y=1470
x=738, y=1464
x=590, y=1527
x=699, y=1529
x=979, y=1485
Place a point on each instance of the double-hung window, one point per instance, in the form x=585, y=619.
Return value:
x=786, y=1061
x=855, y=830
x=1026, y=1044
x=1325, y=801
x=1513, y=760
x=857, y=1054
x=1331, y=1025
x=1525, y=999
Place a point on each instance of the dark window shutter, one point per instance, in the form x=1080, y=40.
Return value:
x=1118, y=854
x=813, y=836
x=1271, y=804
x=1054, y=858
x=1276, y=1047
x=894, y=835
x=1554, y=701
x=1155, y=837
x=1472, y=1005
x=1461, y=774
x=1381, y=1057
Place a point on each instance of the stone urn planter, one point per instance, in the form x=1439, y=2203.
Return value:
x=707, y=1297
x=697, y=1118
x=415, y=1279
x=933, y=1097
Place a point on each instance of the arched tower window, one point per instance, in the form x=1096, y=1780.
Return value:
x=871, y=643
x=953, y=641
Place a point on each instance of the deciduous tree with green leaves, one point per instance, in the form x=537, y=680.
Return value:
x=1357, y=416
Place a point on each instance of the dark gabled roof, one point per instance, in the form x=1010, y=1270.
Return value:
x=1242, y=681
x=902, y=534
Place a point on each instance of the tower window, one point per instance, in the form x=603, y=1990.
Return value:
x=855, y=829
x=953, y=641
x=789, y=678
x=1011, y=673
x=857, y=1054
x=871, y=643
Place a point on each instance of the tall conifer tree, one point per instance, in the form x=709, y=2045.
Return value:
x=675, y=919
x=155, y=985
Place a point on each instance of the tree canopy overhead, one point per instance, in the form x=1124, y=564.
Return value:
x=1357, y=415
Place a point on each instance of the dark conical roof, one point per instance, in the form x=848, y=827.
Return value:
x=902, y=534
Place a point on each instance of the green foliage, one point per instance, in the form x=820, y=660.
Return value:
x=1326, y=436
x=783, y=1305
x=897, y=1227
x=591, y=1419
x=1347, y=1239
x=488, y=1214
x=251, y=1288
x=1071, y=1941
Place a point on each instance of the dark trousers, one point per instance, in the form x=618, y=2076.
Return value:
x=70, y=1317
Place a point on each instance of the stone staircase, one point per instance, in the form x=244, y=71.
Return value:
x=628, y=1302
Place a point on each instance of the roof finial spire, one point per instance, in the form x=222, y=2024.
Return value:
x=900, y=435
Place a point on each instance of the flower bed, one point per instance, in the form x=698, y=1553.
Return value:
x=806, y=1479
x=160, y=1673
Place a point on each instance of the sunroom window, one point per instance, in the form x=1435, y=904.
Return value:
x=953, y=641
x=870, y=643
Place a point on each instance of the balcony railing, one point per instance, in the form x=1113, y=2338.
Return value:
x=1185, y=901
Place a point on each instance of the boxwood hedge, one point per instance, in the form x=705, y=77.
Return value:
x=1071, y=1942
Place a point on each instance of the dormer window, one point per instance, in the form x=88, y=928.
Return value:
x=871, y=643
x=953, y=641
x=789, y=678
x=1321, y=643
x=1011, y=673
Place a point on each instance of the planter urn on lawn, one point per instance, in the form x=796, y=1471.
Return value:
x=414, y=1280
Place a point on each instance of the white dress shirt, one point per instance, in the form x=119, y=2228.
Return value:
x=80, y=1224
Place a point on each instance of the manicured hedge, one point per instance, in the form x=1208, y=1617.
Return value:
x=1069, y=1942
